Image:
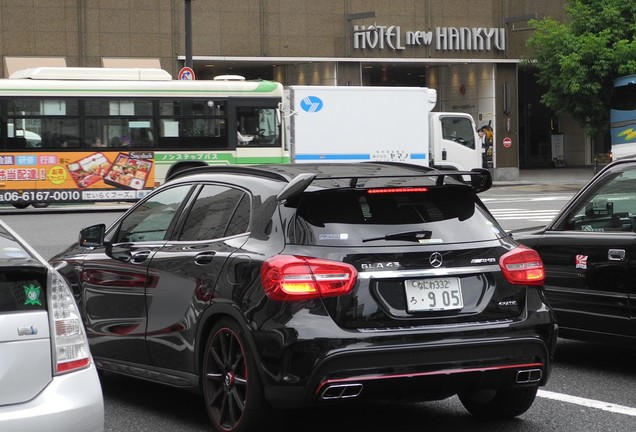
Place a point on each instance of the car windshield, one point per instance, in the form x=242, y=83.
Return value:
x=369, y=217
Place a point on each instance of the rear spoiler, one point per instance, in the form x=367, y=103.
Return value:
x=480, y=180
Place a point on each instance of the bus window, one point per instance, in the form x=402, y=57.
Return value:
x=42, y=107
x=119, y=132
x=118, y=123
x=258, y=127
x=59, y=133
x=198, y=123
x=42, y=123
x=117, y=107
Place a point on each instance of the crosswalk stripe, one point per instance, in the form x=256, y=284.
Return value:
x=523, y=214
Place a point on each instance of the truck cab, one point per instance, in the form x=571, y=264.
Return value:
x=454, y=143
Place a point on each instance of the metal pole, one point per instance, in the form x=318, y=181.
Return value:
x=188, y=33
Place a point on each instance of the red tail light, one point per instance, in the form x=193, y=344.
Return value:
x=523, y=266
x=70, y=346
x=287, y=277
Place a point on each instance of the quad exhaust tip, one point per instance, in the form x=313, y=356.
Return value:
x=529, y=376
x=341, y=391
x=346, y=391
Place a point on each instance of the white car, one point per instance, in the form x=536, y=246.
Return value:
x=48, y=380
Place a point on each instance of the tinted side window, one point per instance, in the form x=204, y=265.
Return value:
x=150, y=220
x=241, y=219
x=219, y=211
x=610, y=207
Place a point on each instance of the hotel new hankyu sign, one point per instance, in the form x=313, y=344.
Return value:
x=378, y=37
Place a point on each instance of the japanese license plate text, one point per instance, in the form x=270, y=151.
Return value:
x=433, y=294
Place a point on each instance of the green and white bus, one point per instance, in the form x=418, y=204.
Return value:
x=113, y=134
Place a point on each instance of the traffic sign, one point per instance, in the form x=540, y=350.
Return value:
x=507, y=142
x=186, y=73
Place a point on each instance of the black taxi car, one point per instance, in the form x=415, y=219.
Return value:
x=278, y=286
x=589, y=252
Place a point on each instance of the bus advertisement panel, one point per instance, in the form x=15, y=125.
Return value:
x=46, y=177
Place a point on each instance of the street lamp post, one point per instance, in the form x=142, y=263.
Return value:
x=352, y=17
x=188, y=33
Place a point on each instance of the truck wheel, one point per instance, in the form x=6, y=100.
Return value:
x=21, y=205
x=232, y=387
x=499, y=404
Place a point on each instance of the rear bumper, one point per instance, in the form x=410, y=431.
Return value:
x=70, y=403
x=437, y=372
x=431, y=371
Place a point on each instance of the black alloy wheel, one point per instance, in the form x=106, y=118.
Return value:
x=231, y=385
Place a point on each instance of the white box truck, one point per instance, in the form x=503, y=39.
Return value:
x=348, y=124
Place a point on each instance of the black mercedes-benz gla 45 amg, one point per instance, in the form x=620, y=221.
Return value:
x=272, y=287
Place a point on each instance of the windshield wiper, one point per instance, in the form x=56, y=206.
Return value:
x=415, y=236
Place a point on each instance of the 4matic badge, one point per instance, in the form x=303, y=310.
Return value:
x=32, y=293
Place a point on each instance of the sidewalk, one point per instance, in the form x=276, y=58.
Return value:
x=567, y=177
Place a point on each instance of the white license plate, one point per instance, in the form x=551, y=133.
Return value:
x=433, y=294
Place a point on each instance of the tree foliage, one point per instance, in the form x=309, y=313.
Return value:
x=578, y=60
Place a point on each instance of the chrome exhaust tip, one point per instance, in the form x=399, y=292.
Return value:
x=529, y=376
x=341, y=391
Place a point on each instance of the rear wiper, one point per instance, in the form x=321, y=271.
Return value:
x=415, y=236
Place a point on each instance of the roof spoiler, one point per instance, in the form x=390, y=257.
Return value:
x=296, y=186
x=480, y=180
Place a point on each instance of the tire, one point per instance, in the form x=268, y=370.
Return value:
x=40, y=205
x=232, y=387
x=499, y=404
x=20, y=205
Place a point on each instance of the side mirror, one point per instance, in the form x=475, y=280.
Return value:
x=92, y=236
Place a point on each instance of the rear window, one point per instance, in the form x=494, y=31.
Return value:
x=370, y=217
x=22, y=289
x=22, y=279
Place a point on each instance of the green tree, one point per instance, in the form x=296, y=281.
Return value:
x=578, y=60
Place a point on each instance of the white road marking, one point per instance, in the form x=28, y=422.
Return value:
x=590, y=403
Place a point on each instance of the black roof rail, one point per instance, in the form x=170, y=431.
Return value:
x=229, y=169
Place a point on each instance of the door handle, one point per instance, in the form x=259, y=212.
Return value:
x=204, y=258
x=616, y=255
x=139, y=257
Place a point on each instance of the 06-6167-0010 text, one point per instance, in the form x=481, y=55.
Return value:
x=68, y=196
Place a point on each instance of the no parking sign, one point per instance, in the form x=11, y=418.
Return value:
x=186, y=73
